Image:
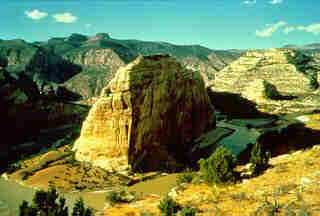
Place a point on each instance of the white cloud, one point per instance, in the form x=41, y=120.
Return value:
x=270, y=30
x=36, y=14
x=248, y=2
x=65, y=18
x=289, y=29
x=313, y=28
x=276, y=2
x=88, y=25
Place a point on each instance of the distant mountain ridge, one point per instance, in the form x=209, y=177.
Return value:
x=307, y=46
x=85, y=64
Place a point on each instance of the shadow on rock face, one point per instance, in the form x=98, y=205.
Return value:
x=234, y=105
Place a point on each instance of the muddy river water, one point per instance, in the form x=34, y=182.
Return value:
x=12, y=194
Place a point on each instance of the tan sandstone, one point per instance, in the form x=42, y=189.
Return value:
x=279, y=67
x=146, y=117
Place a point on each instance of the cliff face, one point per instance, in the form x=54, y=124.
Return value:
x=146, y=117
x=289, y=71
x=98, y=67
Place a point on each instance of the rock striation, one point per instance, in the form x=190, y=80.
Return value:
x=288, y=71
x=146, y=117
x=284, y=68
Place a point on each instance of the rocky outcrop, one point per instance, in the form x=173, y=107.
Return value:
x=281, y=67
x=99, y=66
x=291, y=72
x=147, y=117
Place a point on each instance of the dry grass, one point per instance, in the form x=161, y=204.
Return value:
x=291, y=186
x=272, y=193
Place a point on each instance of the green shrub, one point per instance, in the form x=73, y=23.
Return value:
x=122, y=196
x=186, y=177
x=188, y=211
x=44, y=203
x=113, y=198
x=71, y=159
x=219, y=167
x=168, y=206
x=80, y=210
x=13, y=167
x=48, y=203
x=313, y=80
x=146, y=213
x=259, y=159
x=25, y=174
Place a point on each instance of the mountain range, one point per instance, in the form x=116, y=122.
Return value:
x=85, y=64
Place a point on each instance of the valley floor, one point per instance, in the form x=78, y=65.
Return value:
x=291, y=186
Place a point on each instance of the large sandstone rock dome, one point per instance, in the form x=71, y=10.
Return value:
x=146, y=117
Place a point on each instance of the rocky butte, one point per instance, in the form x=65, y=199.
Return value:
x=146, y=117
x=281, y=73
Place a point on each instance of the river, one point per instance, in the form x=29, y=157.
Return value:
x=12, y=194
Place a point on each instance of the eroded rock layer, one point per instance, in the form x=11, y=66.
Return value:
x=288, y=70
x=146, y=117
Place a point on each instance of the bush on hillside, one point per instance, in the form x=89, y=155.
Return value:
x=259, y=159
x=13, y=167
x=122, y=196
x=219, y=167
x=80, y=210
x=168, y=206
x=187, y=211
x=45, y=204
x=186, y=177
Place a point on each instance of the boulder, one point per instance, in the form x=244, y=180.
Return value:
x=146, y=117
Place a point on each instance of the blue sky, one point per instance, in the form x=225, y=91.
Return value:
x=217, y=24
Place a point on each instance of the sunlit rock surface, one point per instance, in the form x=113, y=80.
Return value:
x=293, y=74
x=146, y=117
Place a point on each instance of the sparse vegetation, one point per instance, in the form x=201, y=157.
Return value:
x=14, y=167
x=239, y=196
x=187, y=211
x=25, y=174
x=146, y=213
x=168, y=206
x=115, y=197
x=45, y=203
x=271, y=208
x=259, y=159
x=79, y=209
x=186, y=177
x=219, y=167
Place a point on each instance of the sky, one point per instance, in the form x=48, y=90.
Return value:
x=216, y=24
